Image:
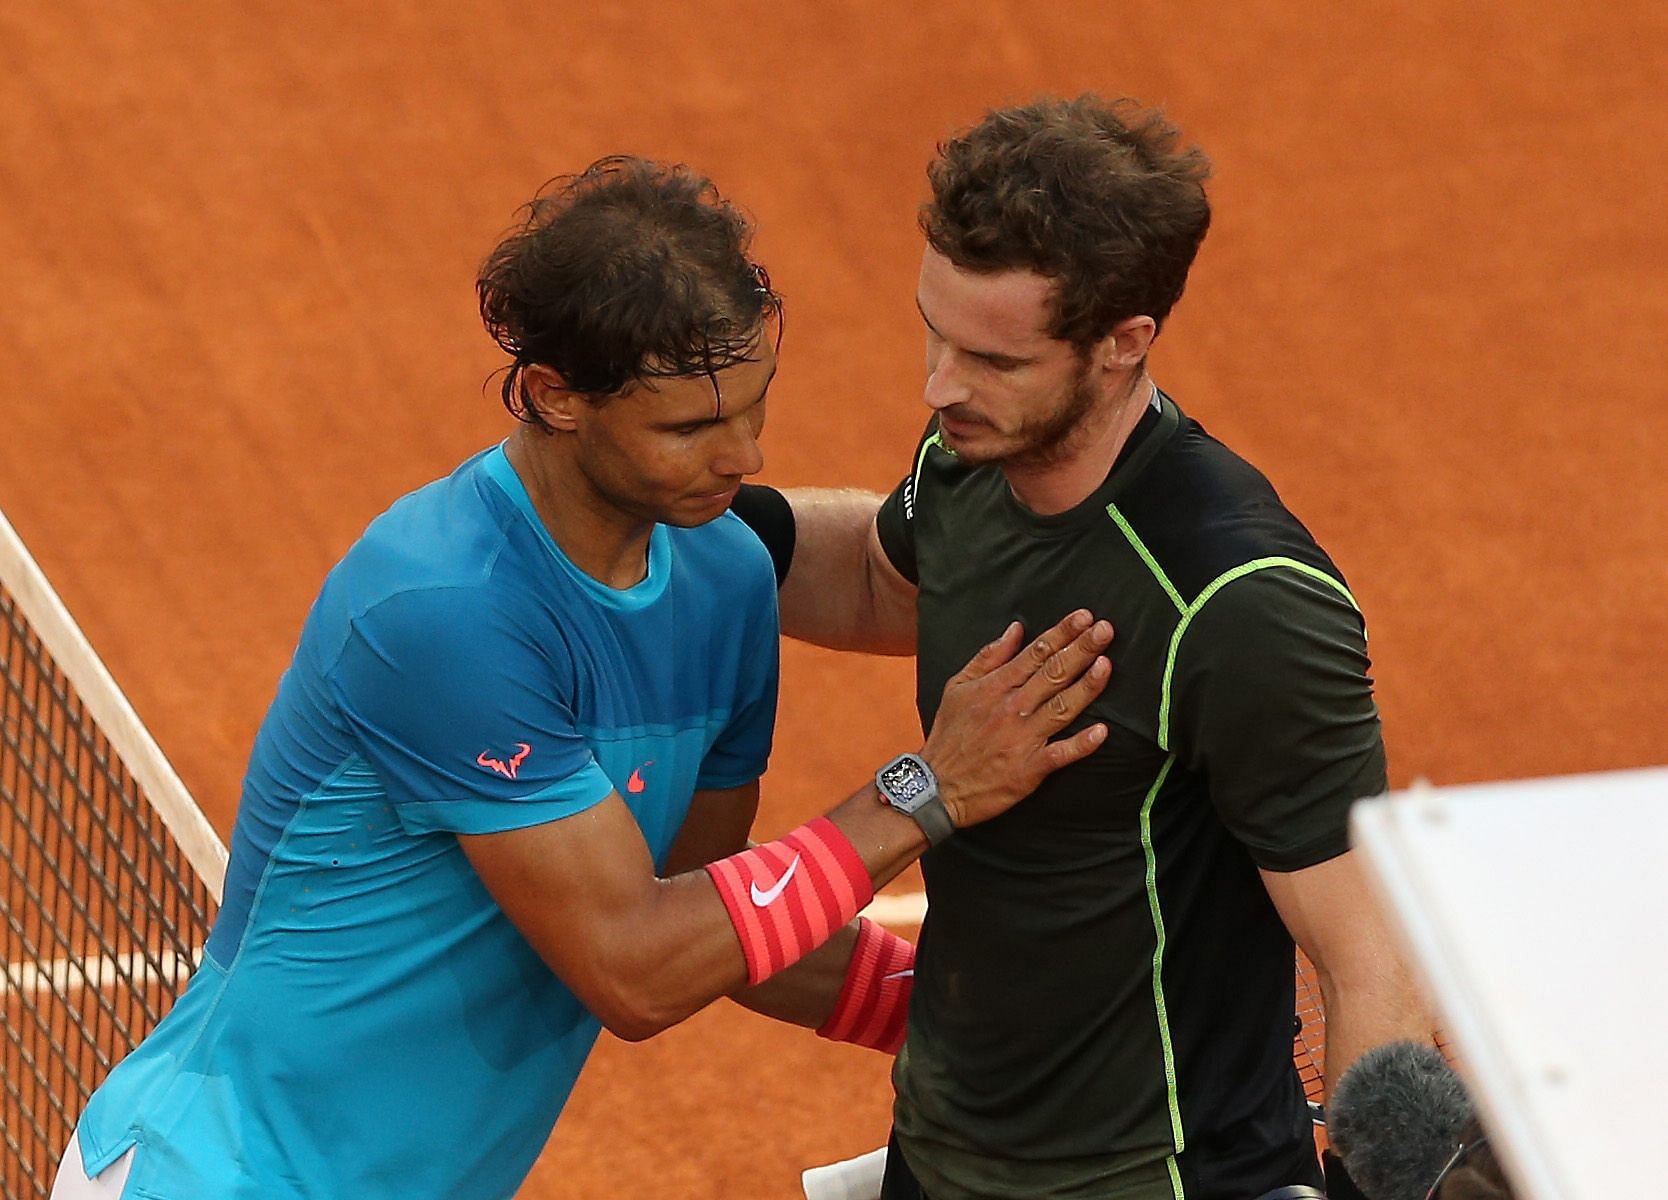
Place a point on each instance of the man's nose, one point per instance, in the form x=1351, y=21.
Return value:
x=946, y=383
x=741, y=454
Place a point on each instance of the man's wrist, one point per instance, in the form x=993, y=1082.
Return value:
x=873, y=1004
x=947, y=792
x=909, y=784
x=785, y=898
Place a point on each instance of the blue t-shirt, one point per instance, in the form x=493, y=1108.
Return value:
x=367, y=1022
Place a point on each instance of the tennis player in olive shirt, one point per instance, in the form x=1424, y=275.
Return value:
x=1103, y=993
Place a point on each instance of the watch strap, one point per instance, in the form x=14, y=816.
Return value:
x=934, y=820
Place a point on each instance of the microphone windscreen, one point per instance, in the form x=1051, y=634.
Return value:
x=1395, y=1118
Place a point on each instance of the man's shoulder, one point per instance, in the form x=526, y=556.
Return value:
x=434, y=562
x=1202, y=512
x=450, y=529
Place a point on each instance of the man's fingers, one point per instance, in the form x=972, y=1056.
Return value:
x=1062, y=708
x=993, y=655
x=989, y=742
x=1035, y=656
x=1069, y=750
x=1065, y=707
x=1047, y=686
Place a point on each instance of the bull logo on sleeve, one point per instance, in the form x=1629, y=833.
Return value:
x=505, y=768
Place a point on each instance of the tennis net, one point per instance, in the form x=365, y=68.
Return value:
x=1309, y=1035
x=109, y=875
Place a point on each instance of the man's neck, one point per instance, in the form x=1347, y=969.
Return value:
x=608, y=545
x=1080, y=465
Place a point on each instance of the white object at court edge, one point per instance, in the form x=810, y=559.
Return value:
x=850, y=1179
x=1537, y=915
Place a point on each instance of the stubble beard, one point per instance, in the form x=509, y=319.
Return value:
x=1048, y=438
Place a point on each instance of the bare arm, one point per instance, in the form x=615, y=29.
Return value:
x=640, y=952
x=716, y=827
x=1370, y=995
x=842, y=591
x=643, y=953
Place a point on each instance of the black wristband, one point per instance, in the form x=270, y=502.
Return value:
x=769, y=515
x=1339, y=1186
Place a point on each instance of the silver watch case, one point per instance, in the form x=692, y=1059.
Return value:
x=908, y=785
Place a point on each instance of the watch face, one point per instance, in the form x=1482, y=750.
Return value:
x=905, y=783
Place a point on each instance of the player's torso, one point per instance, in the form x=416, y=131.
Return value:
x=1040, y=1021
x=349, y=938
x=983, y=561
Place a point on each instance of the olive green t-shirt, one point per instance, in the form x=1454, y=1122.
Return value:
x=1103, y=991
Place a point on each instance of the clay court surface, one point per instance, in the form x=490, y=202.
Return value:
x=237, y=248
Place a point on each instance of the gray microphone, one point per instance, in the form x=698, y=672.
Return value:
x=1395, y=1119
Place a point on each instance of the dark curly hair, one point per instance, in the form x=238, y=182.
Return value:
x=1097, y=195
x=629, y=271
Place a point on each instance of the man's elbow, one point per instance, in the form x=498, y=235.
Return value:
x=633, y=1028
x=636, y=1012
x=899, y=643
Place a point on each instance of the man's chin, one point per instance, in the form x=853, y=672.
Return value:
x=688, y=520
x=977, y=449
x=963, y=437
x=697, y=510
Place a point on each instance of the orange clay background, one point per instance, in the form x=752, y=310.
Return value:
x=237, y=244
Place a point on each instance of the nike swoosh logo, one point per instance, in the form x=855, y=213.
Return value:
x=767, y=898
x=900, y=974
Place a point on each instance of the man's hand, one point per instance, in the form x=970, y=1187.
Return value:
x=989, y=744
x=643, y=953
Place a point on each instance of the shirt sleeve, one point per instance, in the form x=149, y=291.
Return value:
x=895, y=522
x=466, y=718
x=741, y=751
x=1272, y=702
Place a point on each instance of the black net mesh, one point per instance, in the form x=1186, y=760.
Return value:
x=1309, y=1034
x=102, y=917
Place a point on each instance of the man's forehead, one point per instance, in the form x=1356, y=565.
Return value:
x=1010, y=307
x=696, y=397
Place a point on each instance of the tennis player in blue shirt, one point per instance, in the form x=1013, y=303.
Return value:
x=502, y=796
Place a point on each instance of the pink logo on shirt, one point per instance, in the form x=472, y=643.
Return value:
x=506, y=769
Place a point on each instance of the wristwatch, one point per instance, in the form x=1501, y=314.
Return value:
x=908, y=785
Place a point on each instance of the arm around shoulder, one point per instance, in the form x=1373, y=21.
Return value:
x=642, y=952
x=839, y=587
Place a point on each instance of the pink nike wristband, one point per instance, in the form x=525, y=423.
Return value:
x=873, y=1007
x=787, y=897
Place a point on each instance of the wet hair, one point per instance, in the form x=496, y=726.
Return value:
x=1099, y=196
x=627, y=272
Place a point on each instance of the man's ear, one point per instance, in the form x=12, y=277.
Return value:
x=547, y=394
x=1126, y=345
